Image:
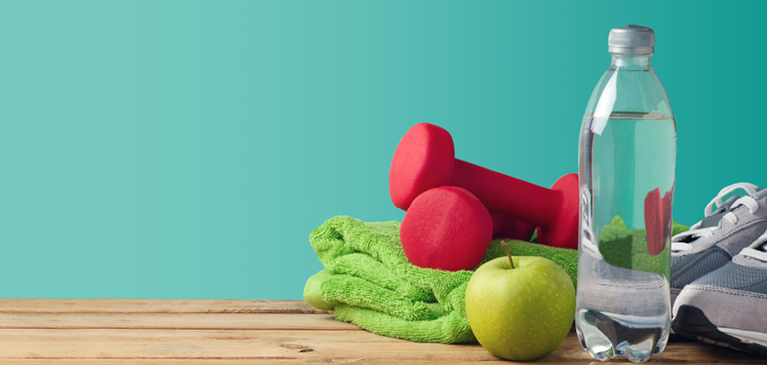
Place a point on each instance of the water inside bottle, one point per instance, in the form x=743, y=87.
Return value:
x=627, y=179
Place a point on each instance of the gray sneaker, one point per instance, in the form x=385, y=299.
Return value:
x=728, y=307
x=712, y=242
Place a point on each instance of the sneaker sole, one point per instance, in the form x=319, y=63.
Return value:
x=692, y=323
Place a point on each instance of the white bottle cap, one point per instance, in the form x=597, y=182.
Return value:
x=631, y=39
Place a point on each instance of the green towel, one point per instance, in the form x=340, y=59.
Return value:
x=369, y=281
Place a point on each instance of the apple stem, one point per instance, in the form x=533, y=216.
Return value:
x=508, y=253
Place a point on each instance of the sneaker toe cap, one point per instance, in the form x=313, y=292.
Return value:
x=726, y=308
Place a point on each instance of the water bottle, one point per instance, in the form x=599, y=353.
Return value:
x=627, y=162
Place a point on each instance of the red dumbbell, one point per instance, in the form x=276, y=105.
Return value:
x=448, y=228
x=505, y=226
x=425, y=158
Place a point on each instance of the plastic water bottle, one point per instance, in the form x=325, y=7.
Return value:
x=627, y=163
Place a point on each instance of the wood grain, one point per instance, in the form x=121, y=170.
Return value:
x=241, y=361
x=180, y=321
x=300, y=346
x=215, y=344
x=229, y=332
x=155, y=306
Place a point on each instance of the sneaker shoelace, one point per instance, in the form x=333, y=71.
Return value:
x=756, y=249
x=677, y=242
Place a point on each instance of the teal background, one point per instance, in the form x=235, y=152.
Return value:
x=186, y=149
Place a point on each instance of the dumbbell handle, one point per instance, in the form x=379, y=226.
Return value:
x=505, y=194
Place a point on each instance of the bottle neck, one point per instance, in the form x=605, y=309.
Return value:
x=630, y=62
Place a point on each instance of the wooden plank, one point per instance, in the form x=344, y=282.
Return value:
x=243, y=361
x=316, y=361
x=297, y=346
x=185, y=321
x=155, y=306
x=214, y=344
x=138, y=331
x=250, y=362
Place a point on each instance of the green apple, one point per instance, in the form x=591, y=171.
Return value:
x=521, y=310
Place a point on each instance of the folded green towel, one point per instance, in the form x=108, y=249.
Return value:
x=369, y=281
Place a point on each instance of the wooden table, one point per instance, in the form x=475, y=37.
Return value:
x=227, y=332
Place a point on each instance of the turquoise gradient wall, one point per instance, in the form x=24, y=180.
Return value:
x=186, y=149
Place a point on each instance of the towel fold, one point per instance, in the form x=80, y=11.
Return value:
x=369, y=281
